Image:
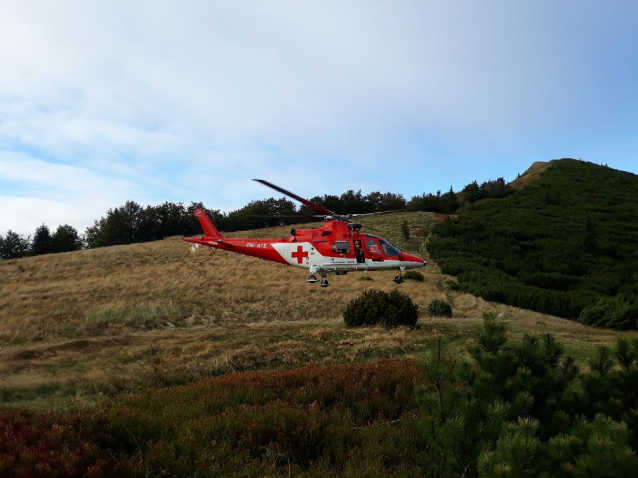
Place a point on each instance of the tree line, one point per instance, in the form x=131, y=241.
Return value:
x=64, y=239
x=132, y=223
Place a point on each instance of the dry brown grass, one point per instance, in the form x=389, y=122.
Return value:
x=532, y=174
x=145, y=286
x=103, y=320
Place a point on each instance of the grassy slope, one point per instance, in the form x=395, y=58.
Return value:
x=529, y=248
x=78, y=326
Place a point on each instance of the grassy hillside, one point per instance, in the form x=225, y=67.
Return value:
x=83, y=326
x=564, y=245
x=85, y=323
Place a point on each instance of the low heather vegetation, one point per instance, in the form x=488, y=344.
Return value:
x=513, y=409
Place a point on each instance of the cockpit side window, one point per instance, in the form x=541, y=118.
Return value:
x=372, y=247
x=389, y=249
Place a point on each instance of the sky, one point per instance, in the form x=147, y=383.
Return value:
x=107, y=101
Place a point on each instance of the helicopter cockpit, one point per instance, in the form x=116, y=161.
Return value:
x=375, y=253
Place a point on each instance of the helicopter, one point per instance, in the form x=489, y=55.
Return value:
x=336, y=248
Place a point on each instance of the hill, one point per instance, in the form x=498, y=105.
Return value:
x=77, y=325
x=564, y=244
x=134, y=360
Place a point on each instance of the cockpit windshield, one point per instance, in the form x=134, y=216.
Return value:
x=389, y=249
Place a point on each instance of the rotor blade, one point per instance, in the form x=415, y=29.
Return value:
x=376, y=213
x=287, y=216
x=303, y=201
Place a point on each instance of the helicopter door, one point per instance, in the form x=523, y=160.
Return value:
x=358, y=251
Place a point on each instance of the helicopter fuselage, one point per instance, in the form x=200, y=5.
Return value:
x=336, y=248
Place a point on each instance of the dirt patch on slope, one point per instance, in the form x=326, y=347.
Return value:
x=533, y=173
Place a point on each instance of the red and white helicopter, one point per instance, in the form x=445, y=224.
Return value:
x=337, y=248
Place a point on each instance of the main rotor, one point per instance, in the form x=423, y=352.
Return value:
x=326, y=214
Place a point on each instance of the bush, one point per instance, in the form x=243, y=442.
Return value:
x=618, y=312
x=375, y=307
x=439, y=308
x=366, y=277
x=524, y=409
x=413, y=275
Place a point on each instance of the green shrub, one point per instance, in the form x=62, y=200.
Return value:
x=524, y=409
x=365, y=277
x=405, y=230
x=626, y=352
x=376, y=307
x=413, y=275
x=439, y=308
x=618, y=312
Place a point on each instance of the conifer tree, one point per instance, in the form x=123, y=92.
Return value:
x=405, y=230
x=13, y=245
x=41, y=241
x=65, y=239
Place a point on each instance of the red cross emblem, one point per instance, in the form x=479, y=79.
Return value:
x=300, y=254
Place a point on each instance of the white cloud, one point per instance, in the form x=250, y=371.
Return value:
x=50, y=193
x=25, y=214
x=172, y=100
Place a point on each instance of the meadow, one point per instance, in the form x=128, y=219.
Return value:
x=78, y=328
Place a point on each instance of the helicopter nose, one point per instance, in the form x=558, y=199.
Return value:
x=410, y=258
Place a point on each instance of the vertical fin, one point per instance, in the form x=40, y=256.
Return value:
x=207, y=225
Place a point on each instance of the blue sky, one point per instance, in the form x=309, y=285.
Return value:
x=105, y=101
